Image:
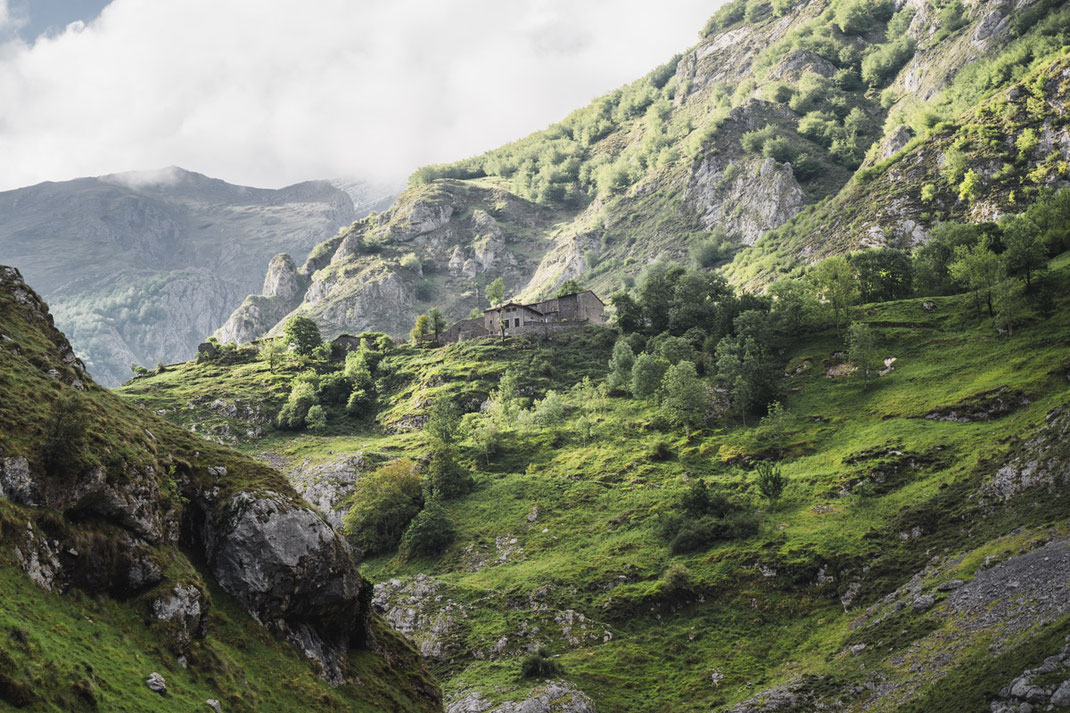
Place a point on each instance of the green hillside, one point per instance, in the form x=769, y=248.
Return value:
x=581, y=537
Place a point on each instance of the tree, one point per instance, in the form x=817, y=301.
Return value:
x=550, y=410
x=302, y=335
x=656, y=295
x=836, y=284
x=629, y=313
x=684, y=398
x=273, y=351
x=1023, y=254
x=569, y=287
x=883, y=274
x=421, y=329
x=445, y=477
x=67, y=434
x=793, y=303
x=437, y=323
x=443, y=421
x=862, y=351
x=771, y=481
x=495, y=292
x=979, y=270
x=620, y=366
x=647, y=373
x=429, y=533
x=1011, y=306
x=384, y=503
x=743, y=367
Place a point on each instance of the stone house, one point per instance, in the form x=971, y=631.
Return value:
x=545, y=318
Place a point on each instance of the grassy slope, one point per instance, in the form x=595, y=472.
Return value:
x=595, y=547
x=77, y=652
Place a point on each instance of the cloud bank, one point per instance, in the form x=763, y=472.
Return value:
x=270, y=93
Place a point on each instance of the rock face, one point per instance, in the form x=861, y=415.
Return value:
x=417, y=609
x=282, y=290
x=552, y=697
x=292, y=571
x=173, y=253
x=327, y=486
x=1043, y=460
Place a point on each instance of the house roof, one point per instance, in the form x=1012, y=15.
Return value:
x=512, y=304
x=534, y=306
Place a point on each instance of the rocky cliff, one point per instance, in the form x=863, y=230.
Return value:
x=104, y=498
x=758, y=150
x=141, y=267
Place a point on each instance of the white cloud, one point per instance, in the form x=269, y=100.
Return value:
x=272, y=93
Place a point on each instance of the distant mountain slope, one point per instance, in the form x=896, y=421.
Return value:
x=792, y=115
x=140, y=267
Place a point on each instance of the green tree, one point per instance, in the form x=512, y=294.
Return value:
x=620, y=366
x=550, y=410
x=421, y=329
x=793, y=303
x=862, y=352
x=272, y=351
x=64, y=447
x=684, y=399
x=569, y=287
x=629, y=312
x=302, y=335
x=836, y=283
x=742, y=366
x=970, y=187
x=384, y=503
x=883, y=274
x=429, y=533
x=443, y=421
x=437, y=322
x=1012, y=307
x=1023, y=254
x=978, y=270
x=771, y=481
x=445, y=477
x=647, y=373
x=495, y=292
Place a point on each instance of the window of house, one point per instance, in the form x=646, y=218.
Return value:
x=517, y=322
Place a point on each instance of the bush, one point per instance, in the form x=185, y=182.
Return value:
x=316, y=419
x=360, y=402
x=539, y=665
x=67, y=438
x=333, y=388
x=854, y=17
x=883, y=62
x=294, y=412
x=706, y=532
x=429, y=533
x=384, y=502
x=677, y=578
x=771, y=481
x=661, y=451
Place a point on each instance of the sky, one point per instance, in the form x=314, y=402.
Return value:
x=272, y=92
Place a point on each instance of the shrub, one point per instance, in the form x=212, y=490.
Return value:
x=539, y=665
x=883, y=62
x=316, y=419
x=333, y=388
x=771, y=481
x=360, y=402
x=661, y=451
x=429, y=533
x=854, y=17
x=295, y=411
x=677, y=578
x=384, y=502
x=67, y=437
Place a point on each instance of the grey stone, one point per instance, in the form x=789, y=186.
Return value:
x=923, y=603
x=156, y=683
x=1061, y=697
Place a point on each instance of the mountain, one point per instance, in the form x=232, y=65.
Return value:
x=757, y=152
x=142, y=266
x=145, y=569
